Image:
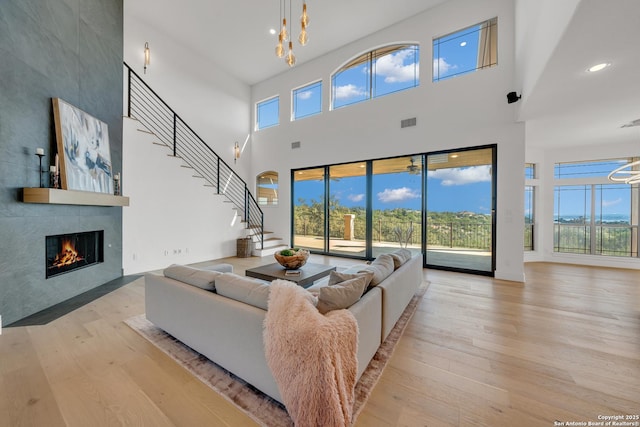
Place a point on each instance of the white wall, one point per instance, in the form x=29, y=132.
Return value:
x=172, y=217
x=545, y=210
x=212, y=102
x=461, y=112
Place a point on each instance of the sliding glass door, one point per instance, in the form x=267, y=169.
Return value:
x=348, y=209
x=308, y=204
x=439, y=204
x=460, y=208
x=397, y=204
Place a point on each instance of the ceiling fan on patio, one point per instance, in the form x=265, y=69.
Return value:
x=413, y=169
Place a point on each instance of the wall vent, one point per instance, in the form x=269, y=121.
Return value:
x=295, y=144
x=408, y=122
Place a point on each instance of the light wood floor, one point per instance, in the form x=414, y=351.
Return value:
x=478, y=352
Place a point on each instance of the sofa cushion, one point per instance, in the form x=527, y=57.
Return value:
x=250, y=291
x=204, y=279
x=400, y=257
x=341, y=295
x=381, y=267
x=336, y=277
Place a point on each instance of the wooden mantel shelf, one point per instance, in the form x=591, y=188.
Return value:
x=54, y=196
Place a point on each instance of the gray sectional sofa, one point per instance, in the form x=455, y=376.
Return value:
x=220, y=314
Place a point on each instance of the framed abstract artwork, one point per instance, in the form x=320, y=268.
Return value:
x=83, y=148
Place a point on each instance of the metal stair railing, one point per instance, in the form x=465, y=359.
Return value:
x=145, y=106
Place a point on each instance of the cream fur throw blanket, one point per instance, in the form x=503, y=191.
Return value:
x=312, y=357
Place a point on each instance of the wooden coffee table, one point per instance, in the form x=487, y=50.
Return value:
x=309, y=273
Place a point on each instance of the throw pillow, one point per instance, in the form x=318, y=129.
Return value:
x=341, y=295
x=381, y=267
x=337, y=277
x=400, y=257
x=250, y=291
x=204, y=279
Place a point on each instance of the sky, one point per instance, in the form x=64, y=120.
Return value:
x=448, y=190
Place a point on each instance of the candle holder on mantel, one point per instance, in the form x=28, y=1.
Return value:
x=40, y=154
x=54, y=178
x=116, y=185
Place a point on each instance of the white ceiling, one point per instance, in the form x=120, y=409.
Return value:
x=235, y=34
x=567, y=106
x=570, y=106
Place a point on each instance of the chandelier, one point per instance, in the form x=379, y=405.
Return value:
x=285, y=35
x=628, y=174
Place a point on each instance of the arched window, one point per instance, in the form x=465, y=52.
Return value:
x=376, y=73
x=267, y=188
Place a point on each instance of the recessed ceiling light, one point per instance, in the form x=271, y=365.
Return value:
x=463, y=44
x=598, y=67
x=272, y=31
x=454, y=156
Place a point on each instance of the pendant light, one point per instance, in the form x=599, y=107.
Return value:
x=290, y=58
x=287, y=36
x=304, y=19
x=283, y=30
x=279, y=47
x=304, y=23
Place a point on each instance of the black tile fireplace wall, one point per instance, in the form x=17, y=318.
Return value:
x=71, y=49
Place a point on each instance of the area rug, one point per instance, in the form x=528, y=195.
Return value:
x=258, y=406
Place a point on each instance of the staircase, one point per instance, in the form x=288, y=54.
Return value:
x=270, y=245
x=169, y=130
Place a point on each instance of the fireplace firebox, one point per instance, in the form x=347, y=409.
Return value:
x=68, y=252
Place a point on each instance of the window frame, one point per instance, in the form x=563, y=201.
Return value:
x=370, y=58
x=490, y=44
x=594, y=228
x=294, y=92
x=264, y=102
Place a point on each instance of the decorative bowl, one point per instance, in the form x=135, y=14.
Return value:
x=292, y=259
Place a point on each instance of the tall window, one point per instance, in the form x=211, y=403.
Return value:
x=307, y=101
x=268, y=113
x=529, y=193
x=376, y=73
x=466, y=50
x=592, y=215
x=267, y=188
x=529, y=207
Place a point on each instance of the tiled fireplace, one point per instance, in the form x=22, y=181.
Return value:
x=68, y=252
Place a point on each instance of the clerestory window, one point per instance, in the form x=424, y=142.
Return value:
x=268, y=113
x=376, y=73
x=465, y=51
x=307, y=101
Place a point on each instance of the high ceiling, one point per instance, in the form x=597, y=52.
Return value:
x=570, y=106
x=235, y=34
x=567, y=106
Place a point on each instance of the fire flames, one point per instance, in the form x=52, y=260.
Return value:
x=67, y=256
